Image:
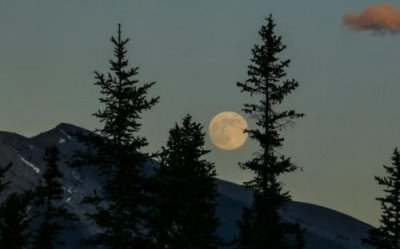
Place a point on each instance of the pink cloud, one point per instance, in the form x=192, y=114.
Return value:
x=376, y=17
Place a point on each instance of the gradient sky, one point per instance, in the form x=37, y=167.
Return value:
x=196, y=51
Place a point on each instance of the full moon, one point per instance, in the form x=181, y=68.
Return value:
x=226, y=130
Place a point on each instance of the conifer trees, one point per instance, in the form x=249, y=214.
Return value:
x=14, y=222
x=183, y=215
x=120, y=207
x=186, y=192
x=14, y=217
x=4, y=184
x=387, y=235
x=53, y=216
x=261, y=225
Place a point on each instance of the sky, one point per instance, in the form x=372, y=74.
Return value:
x=196, y=51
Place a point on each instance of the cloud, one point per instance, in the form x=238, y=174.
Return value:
x=383, y=18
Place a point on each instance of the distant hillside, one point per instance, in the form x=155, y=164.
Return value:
x=325, y=228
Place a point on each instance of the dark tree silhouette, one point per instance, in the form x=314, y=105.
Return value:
x=387, y=235
x=120, y=207
x=51, y=213
x=4, y=184
x=14, y=221
x=185, y=211
x=261, y=225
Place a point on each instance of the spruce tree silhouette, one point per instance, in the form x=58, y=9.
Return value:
x=185, y=212
x=51, y=213
x=121, y=206
x=387, y=235
x=4, y=184
x=261, y=225
x=14, y=221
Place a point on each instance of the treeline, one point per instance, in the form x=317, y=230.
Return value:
x=174, y=207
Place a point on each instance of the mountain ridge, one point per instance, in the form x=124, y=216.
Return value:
x=325, y=227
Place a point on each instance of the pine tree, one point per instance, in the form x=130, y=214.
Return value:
x=51, y=213
x=120, y=207
x=3, y=185
x=3, y=171
x=261, y=225
x=14, y=221
x=387, y=235
x=187, y=190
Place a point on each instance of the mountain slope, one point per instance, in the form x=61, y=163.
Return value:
x=325, y=228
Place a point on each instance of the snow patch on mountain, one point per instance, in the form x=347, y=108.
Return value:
x=36, y=169
x=69, y=190
x=76, y=176
x=66, y=134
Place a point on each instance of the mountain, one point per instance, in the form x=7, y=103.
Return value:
x=325, y=228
